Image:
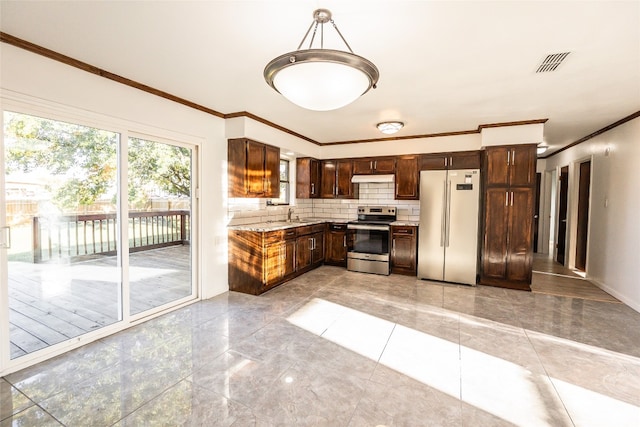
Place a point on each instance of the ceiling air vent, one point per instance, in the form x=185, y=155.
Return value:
x=551, y=62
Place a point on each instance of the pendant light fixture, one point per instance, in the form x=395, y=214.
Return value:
x=321, y=79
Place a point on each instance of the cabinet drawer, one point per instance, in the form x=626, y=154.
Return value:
x=337, y=227
x=405, y=230
x=301, y=231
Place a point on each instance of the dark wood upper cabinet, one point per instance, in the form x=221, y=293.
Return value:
x=345, y=189
x=374, y=165
x=307, y=178
x=272, y=171
x=407, y=178
x=453, y=160
x=253, y=169
x=328, y=179
x=511, y=165
x=336, y=180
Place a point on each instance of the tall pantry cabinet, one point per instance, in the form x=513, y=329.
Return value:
x=509, y=192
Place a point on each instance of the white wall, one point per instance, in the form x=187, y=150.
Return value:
x=51, y=85
x=613, y=260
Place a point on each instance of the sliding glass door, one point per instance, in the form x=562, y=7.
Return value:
x=73, y=193
x=62, y=223
x=159, y=191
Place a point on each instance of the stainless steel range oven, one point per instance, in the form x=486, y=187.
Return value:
x=369, y=238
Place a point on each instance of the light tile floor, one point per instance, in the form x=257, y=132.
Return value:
x=337, y=348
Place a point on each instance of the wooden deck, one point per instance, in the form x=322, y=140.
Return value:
x=51, y=303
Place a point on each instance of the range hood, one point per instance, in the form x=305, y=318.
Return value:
x=373, y=178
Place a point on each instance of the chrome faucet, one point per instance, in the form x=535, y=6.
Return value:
x=289, y=213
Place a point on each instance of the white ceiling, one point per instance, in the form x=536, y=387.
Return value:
x=444, y=65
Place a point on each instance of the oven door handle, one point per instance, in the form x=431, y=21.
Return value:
x=367, y=227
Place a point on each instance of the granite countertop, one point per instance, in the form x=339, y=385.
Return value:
x=280, y=225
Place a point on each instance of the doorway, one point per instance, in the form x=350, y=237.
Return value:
x=583, y=215
x=562, y=214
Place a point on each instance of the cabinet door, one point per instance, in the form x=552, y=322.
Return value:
x=344, y=173
x=289, y=262
x=273, y=263
x=465, y=160
x=236, y=165
x=520, y=250
x=272, y=171
x=307, y=178
x=384, y=165
x=497, y=162
x=404, y=250
x=362, y=166
x=328, y=179
x=522, y=165
x=494, y=257
x=254, y=174
x=303, y=252
x=317, y=252
x=407, y=178
x=336, y=247
x=433, y=162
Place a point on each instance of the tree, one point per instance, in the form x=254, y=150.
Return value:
x=80, y=162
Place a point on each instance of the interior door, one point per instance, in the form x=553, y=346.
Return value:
x=536, y=216
x=583, y=215
x=562, y=214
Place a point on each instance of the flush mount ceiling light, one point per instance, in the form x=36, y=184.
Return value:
x=542, y=149
x=389, y=127
x=321, y=79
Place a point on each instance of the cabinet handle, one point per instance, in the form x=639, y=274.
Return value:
x=344, y=241
x=375, y=165
x=371, y=164
x=508, y=156
x=450, y=161
x=313, y=189
x=445, y=162
x=506, y=198
x=513, y=157
x=393, y=247
x=512, y=198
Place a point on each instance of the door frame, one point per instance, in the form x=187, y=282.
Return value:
x=26, y=104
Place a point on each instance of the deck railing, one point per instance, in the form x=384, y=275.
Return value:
x=96, y=234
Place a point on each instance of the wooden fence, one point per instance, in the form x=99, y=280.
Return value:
x=77, y=236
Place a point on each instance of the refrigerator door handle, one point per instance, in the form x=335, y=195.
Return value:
x=443, y=215
x=448, y=207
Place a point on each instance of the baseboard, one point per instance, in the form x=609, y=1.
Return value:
x=635, y=305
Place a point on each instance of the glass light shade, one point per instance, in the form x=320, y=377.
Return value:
x=321, y=86
x=542, y=149
x=389, y=127
x=321, y=79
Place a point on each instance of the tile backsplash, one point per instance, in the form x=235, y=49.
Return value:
x=247, y=211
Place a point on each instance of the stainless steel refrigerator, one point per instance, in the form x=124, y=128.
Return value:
x=448, y=231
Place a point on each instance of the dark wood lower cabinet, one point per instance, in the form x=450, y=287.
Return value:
x=404, y=250
x=258, y=261
x=507, y=256
x=336, y=245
